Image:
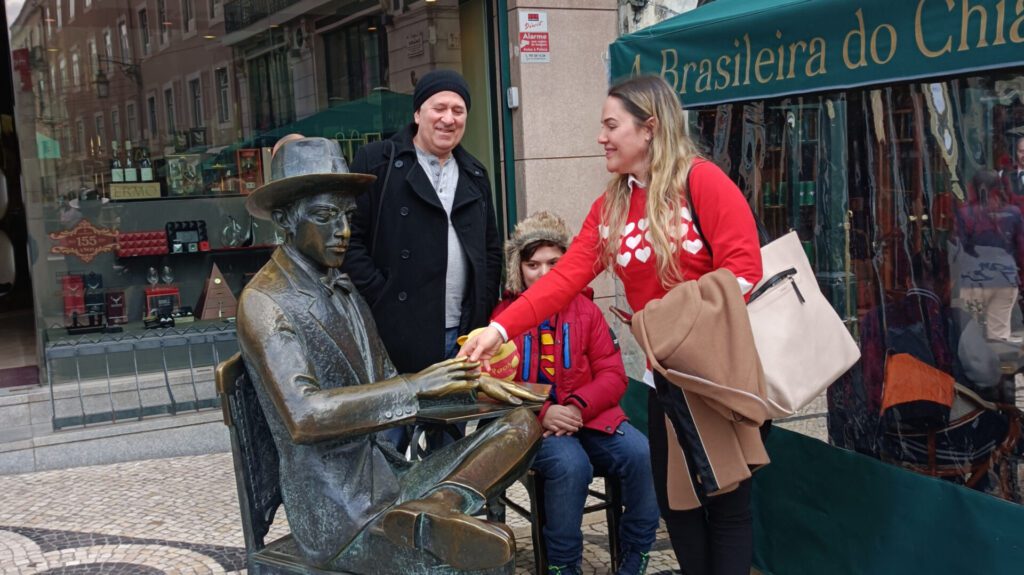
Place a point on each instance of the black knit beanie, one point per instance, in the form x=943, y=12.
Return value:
x=439, y=81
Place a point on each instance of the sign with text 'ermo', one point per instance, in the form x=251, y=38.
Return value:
x=533, y=37
x=731, y=50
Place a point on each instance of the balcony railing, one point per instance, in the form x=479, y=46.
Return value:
x=238, y=14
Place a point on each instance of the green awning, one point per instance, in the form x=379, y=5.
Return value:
x=752, y=49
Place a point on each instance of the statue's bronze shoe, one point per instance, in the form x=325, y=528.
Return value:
x=459, y=540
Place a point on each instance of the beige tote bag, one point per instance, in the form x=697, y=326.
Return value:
x=803, y=344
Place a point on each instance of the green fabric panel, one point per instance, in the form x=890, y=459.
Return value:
x=634, y=403
x=752, y=49
x=819, y=509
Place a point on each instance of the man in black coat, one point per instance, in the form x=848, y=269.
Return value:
x=425, y=249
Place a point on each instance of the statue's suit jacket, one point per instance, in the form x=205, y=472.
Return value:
x=326, y=385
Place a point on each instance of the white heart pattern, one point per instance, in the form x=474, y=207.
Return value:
x=633, y=241
x=693, y=246
x=647, y=237
x=642, y=224
x=643, y=254
x=603, y=230
x=623, y=259
x=629, y=228
x=685, y=213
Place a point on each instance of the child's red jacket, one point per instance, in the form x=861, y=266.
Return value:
x=588, y=366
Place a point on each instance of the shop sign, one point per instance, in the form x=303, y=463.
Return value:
x=84, y=241
x=533, y=37
x=727, y=51
x=22, y=60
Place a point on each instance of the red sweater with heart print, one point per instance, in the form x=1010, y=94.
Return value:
x=725, y=219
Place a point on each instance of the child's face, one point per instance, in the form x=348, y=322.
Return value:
x=541, y=263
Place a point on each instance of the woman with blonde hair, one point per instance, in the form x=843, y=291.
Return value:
x=642, y=229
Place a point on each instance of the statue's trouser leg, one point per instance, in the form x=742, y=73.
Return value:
x=475, y=468
x=481, y=465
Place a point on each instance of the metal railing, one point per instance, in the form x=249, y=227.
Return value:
x=109, y=378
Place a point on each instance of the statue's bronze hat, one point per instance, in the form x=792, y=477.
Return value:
x=305, y=167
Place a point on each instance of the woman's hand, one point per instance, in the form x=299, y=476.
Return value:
x=482, y=347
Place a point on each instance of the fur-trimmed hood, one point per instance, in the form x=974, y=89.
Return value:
x=539, y=226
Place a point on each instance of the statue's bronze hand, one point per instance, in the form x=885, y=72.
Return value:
x=507, y=391
x=449, y=376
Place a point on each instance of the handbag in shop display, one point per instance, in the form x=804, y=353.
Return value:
x=803, y=344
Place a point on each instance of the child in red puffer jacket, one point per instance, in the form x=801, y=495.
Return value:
x=584, y=427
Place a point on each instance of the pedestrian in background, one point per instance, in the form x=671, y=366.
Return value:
x=425, y=249
x=643, y=230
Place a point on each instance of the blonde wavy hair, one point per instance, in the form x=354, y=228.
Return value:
x=670, y=156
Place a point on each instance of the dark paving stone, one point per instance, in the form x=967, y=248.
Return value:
x=230, y=558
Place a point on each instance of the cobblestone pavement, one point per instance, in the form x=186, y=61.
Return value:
x=176, y=516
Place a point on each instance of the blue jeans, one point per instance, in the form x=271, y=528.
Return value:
x=400, y=436
x=567, y=465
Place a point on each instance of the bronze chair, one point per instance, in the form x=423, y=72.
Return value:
x=256, y=474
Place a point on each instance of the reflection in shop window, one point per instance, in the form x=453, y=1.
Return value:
x=151, y=116
x=76, y=71
x=63, y=65
x=214, y=9
x=101, y=135
x=115, y=124
x=188, y=22
x=49, y=24
x=144, y=30
x=355, y=62
x=132, y=121
x=108, y=45
x=172, y=125
x=94, y=56
x=126, y=50
x=71, y=10
x=80, y=144
x=196, y=95
x=223, y=103
x=164, y=23
x=909, y=201
x=60, y=17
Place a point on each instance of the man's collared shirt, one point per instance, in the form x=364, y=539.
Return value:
x=445, y=178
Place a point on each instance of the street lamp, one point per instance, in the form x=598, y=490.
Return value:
x=129, y=69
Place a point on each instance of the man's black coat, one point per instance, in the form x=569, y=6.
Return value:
x=401, y=271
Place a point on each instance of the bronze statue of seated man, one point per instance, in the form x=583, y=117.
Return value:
x=326, y=386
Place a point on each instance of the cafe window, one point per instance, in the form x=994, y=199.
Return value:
x=929, y=179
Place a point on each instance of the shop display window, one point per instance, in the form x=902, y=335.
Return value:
x=908, y=199
x=139, y=237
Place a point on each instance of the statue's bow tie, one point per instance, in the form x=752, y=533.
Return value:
x=337, y=281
